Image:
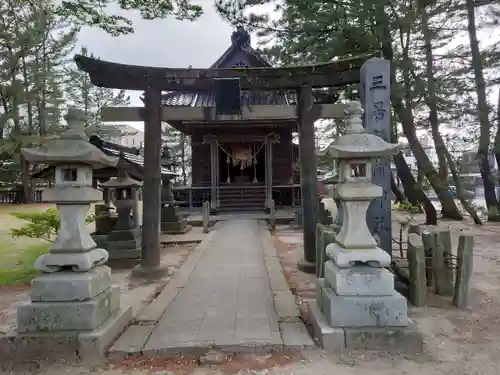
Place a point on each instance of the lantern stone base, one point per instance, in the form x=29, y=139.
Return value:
x=89, y=346
x=78, y=261
x=75, y=313
x=124, y=244
x=346, y=258
x=68, y=315
x=124, y=249
x=362, y=311
x=69, y=301
x=70, y=286
x=359, y=280
x=172, y=221
x=406, y=339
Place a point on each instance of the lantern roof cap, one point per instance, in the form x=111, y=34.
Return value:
x=123, y=180
x=72, y=147
x=357, y=143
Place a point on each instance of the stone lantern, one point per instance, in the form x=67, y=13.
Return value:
x=172, y=220
x=357, y=291
x=75, y=285
x=124, y=241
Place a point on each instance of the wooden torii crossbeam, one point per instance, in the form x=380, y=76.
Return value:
x=253, y=113
x=134, y=77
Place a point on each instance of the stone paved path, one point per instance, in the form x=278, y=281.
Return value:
x=227, y=301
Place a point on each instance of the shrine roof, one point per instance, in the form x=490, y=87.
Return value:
x=130, y=154
x=248, y=98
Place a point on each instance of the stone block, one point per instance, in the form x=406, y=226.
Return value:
x=359, y=280
x=94, y=344
x=124, y=235
x=320, y=283
x=125, y=254
x=345, y=258
x=101, y=240
x=70, y=286
x=330, y=338
x=364, y=311
x=131, y=341
x=68, y=316
x=295, y=335
x=124, y=245
x=175, y=227
x=397, y=339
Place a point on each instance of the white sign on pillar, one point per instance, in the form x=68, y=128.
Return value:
x=375, y=90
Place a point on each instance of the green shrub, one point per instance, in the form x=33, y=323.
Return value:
x=44, y=225
x=406, y=206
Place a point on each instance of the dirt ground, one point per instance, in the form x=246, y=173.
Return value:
x=458, y=342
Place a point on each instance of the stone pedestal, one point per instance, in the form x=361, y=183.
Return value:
x=124, y=244
x=324, y=216
x=356, y=297
x=124, y=241
x=73, y=301
x=172, y=220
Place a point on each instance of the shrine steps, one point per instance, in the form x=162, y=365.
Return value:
x=249, y=198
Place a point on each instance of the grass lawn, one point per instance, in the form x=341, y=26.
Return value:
x=18, y=255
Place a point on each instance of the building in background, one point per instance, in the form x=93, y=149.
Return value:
x=130, y=137
x=427, y=145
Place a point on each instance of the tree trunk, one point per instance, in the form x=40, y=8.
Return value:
x=397, y=193
x=467, y=205
x=405, y=116
x=431, y=99
x=414, y=193
x=483, y=112
x=497, y=142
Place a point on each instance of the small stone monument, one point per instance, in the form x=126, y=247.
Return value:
x=73, y=298
x=357, y=297
x=172, y=220
x=124, y=241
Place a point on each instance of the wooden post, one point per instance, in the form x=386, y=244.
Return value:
x=213, y=175
x=269, y=169
x=272, y=214
x=150, y=257
x=444, y=238
x=416, y=265
x=429, y=241
x=206, y=216
x=135, y=208
x=441, y=285
x=308, y=177
x=464, y=270
x=320, y=228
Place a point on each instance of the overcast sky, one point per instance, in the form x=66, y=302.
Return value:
x=176, y=44
x=167, y=43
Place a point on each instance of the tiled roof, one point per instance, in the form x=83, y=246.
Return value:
x=135, y=159
x=207, y=99
x=248, y=98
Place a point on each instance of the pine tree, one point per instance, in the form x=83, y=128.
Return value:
x=82, y=94
x=29, y=32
